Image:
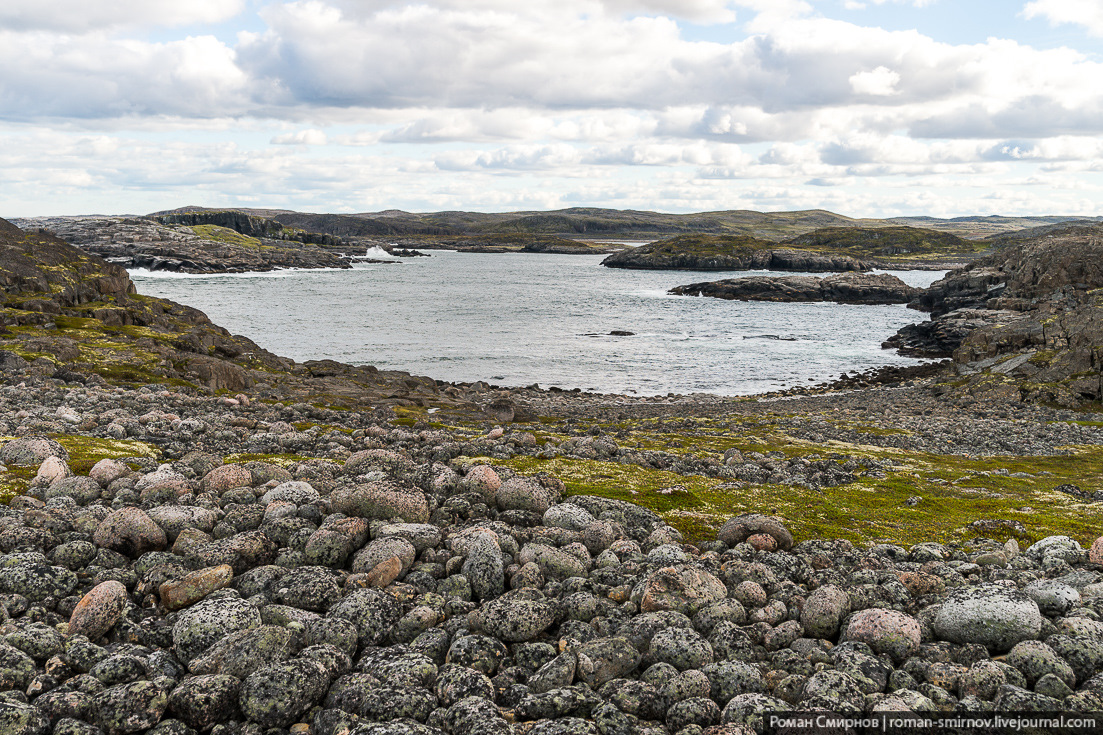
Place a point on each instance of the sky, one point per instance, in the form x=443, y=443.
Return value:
x=868, y=108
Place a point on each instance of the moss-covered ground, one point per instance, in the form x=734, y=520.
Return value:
x=947, y=492
x=84, y=452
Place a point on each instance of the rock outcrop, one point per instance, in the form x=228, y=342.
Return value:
x=727, y=253
x=193, y=244
x=845, y=288
x=1026, y=321
x=76, y=317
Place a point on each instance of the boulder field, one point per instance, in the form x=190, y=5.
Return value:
x=382, y=594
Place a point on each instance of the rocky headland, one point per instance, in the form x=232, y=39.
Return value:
x=223, y=243
x=268, y=548
x=1024, y=320
x=844, y=288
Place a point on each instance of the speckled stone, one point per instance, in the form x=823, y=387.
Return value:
x=990, y=615
x=824, y=610
x=227, y=477
x=205, y=623
x=741, y=528
x=382, y=500
x=129, y=707
x=523, y=493
x=193, y=587
x=604, y=659
x=99, y=610
x=31, y=451
x=107, y=471
x=1095, y=553
x=513, y=619
x=684, y=589
x=482, y=479
x=277, y=695
x=886, y=631
x=203, y=701
x=371, y=611
x=129, y=531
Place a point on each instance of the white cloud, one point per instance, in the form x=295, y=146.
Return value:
x=301, y=137
x=347, y=104
x=1087, y=13
x=881, y=82
x=80, y=16
x=49, y=76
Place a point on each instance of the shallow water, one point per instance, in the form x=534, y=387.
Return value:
x=518, y=319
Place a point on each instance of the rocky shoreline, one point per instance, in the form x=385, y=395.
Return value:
x=389, y=582
x=226, y=541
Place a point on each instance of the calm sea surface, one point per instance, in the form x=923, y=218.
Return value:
x=518, y=319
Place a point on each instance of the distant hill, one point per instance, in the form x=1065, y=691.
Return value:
x=596, y=223
x=824, y=249
x=894, y=243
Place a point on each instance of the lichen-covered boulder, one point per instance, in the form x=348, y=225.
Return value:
x=990, y=615
x=514, y=619
x=886, y=631
x=277, y=695
x=683, y=588
x=131, y=532
x=824, y=610
x=382, y=500
x=740, y=528
x=201, y=626
x=99, y=610
x=371, y=611
x=31, y=451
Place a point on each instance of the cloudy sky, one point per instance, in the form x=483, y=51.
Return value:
x=863, y=107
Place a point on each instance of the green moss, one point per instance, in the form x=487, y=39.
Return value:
x=953, y=492
x=224, y=235
x=85, y=451
x=281, y=460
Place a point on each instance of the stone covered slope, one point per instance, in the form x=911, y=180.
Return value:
x=845, y=288
x=1026, y=320
x=75, y=317
x=723, y=253
x=373, y=593
x=233, y=243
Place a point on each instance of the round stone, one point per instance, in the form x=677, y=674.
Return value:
x=990, y=615
x=886, y=631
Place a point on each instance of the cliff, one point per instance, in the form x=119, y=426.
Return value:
x=1026, y=320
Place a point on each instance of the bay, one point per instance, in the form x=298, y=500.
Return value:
x=519, y=319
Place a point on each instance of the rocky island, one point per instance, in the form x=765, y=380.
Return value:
x=844, y=288
x=823, y=249
x=729, y=253
x=200, y=536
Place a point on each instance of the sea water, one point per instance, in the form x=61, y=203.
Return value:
x=521, y=318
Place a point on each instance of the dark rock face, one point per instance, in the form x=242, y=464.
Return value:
x=846, y=288
x=704, y=253
x=1030, y=315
